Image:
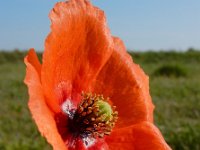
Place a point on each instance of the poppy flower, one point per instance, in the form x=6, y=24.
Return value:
x=88, y=93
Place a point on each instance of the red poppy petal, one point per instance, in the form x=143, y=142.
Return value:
x=99, y=145
x=127, y=86
x=78, y=144
x=39, y=110
x=75, y=50
x=142, y=136
x=33, y=59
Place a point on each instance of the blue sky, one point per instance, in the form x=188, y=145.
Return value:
x=141, y=24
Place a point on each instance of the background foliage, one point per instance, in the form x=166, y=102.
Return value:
x=174, y=85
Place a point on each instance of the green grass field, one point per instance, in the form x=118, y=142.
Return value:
x=174, y=85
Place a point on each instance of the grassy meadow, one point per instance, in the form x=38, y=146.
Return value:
x=174, y=87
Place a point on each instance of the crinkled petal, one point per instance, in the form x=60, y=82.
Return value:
x=127, y=86
x=41, y=114
x=76, y=49
x=142, y=136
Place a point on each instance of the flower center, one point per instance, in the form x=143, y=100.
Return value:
x=94, y=116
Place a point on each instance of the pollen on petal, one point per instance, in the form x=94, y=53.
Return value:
x=68, y=108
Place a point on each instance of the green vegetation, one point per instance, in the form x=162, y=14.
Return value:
x=170, y=70
x=177, y=100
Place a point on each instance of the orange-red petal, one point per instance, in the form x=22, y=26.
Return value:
x=142, y=136
x=39, y=110
x=75, y=50
x=127, y=86
x=33, y=59
x=100, y=144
